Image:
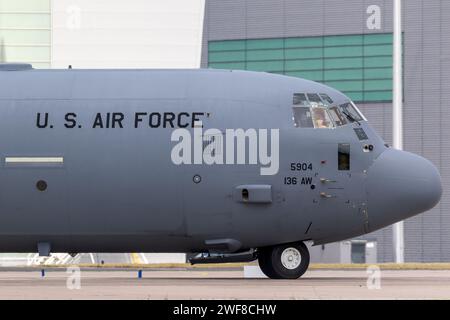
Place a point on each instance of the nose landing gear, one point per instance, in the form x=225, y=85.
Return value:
x=286, y=261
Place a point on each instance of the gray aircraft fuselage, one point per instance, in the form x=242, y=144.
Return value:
x=117, y=188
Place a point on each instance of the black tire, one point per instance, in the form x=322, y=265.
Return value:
x=264, y=262
x=273, y=262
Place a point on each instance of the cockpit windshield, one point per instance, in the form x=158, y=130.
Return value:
x=326, y=98
x=349, y=110
x=300, y=99
x=315, y=98
x=338, y=118
x=318, y=110
x=313, y=117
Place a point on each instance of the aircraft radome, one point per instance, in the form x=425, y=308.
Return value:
x=233, y=164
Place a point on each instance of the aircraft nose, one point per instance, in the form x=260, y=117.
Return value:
x=400, y=185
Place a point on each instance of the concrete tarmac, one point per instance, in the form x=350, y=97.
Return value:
x=222, y=284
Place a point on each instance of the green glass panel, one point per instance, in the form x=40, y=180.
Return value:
x=11, y=37
x=261, y=55
x=337, y=52
x=343, y=40
x=383, y=38
x=227, y=65
x=265, y=44
x=273, y=66
x=346, y=85
x=27, y=53
x=352, y=74
x=227, y=56
x=350, y=63
x=378, y=50
x=297, y=65
x=343, y=63
x=310, y=75
x=226, y=45
x=303, y=42
x=355, y=95
x=25, y=21
x=308, y=53
x=378, y=96
x=378, y=73
x=25, y=5
x=376, y=62
x=378, y=85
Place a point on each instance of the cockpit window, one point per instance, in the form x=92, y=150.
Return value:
x=313, y=97
x=350, y=112
x=318, y=110
x=312, y=117
x=302, y=117
x=337, y=117
x=321, y=118
x=300, y=99
x=326, y=98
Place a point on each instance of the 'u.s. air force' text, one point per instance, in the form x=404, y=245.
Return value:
x=119, y=120
x=214, y=146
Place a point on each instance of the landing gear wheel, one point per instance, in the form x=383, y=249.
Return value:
x=286, y=261
x=264, y=262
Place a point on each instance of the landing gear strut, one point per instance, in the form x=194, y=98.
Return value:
x=286, y=261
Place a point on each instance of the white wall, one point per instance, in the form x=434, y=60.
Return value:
x=127, y=34
x=25, y=32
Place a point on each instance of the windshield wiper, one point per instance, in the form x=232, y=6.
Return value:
x=350, y=117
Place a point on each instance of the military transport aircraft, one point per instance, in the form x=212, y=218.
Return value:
x=237, y=165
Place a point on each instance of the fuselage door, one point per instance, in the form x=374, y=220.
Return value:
x=340, y=196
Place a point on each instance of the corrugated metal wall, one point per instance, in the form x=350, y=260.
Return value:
x=427, y=84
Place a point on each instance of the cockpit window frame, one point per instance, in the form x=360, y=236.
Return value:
x=359, y=112
x=326, y=98
x=354, y=114
x=308, y=117
x=342, y=119
x=314, y=98
x=334, y=111
x=326, y=118
x=298, y=100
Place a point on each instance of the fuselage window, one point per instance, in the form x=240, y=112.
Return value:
x=344, y=156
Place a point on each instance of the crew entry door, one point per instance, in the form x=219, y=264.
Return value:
x=341, y=189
